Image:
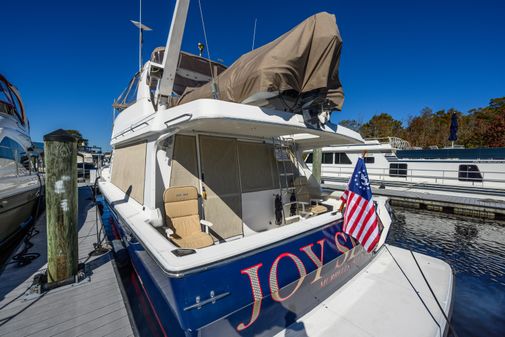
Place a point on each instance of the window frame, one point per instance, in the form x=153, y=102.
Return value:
x=325, y=155
x=469, y=172
x=400, y=171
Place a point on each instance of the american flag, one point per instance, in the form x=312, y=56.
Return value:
x=360, y=219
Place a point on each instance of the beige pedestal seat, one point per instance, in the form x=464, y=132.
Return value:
x=308, y=205
x=183, y=219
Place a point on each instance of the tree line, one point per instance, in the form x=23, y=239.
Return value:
x=481, y=127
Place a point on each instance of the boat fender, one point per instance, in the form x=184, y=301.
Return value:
x=292, y=208
x=154, y=217
x=278, y=209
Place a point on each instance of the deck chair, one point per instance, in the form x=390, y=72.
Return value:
x=183, y=219
x=308, y=206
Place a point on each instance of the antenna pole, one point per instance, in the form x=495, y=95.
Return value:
x=140, y=35
x=254, y=33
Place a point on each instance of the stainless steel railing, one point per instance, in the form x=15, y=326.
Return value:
x=424, y=175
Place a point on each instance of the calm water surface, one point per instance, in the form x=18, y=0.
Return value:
x=475, y=249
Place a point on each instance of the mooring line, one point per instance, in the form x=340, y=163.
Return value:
x=417, y=292
x=451, y=328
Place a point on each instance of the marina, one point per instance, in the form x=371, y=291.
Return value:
x=234, y=195
x=92, y=306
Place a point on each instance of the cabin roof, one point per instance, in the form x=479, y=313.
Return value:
x=233, y=119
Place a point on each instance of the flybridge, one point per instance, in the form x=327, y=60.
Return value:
x=296, y=73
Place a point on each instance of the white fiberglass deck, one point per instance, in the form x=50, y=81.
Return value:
x=379, y=301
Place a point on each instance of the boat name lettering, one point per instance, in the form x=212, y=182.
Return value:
x=255, y=284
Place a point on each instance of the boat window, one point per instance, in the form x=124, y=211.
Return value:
x=17, y=107
x=327, y=158
x=342, y=158
x=469, y=173
x=10, y=149
x=369, y=160
x=309, y=159
x=129, y=95
x=6, y=104
x=6, y=152
x=397, y=170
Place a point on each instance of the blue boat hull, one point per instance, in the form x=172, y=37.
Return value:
x=255, y=294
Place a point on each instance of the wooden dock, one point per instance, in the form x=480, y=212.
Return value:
x=468, y=206
x=95, y=306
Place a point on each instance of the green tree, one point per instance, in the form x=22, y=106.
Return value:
x=351, y=124
x=382, y=125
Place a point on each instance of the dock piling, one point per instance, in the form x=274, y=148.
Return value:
x=60, y=150
x=317, y=155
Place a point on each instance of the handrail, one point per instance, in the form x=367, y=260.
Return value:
x=351, y=169
x=410, y=176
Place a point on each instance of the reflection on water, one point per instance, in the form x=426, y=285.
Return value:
x=475, y=249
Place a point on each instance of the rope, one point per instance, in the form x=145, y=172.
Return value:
x=414, y=288
x=205, y=38
x=435, y=297
x=23, y=258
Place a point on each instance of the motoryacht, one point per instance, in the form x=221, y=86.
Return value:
x=20, y=184
x=393, y=164
x=226, y=227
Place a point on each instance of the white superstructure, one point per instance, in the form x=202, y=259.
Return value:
x=20, y=185
x=392, y=164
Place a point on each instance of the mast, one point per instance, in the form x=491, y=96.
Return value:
x=173, y=47
x=141, y=28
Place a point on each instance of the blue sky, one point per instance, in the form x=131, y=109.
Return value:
x=70, y=59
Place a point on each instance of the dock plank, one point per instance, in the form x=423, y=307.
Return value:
x=92, y=307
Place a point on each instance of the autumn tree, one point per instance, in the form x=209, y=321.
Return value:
x=488, y=124
x=382, y=125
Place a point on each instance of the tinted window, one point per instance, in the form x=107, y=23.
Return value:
x=327, y=158
x=397, y=170
x=469, y=173
x=17, y=105
x=10, y=149
x=342, y=158
x=9, y=102
x=369, y=160
x=309, y=159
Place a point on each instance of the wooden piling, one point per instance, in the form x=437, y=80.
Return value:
x=60, y=149
x=317, y=155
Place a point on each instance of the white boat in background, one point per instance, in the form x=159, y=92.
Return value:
x=393, y=164
x=225, y=225
x=20, y=185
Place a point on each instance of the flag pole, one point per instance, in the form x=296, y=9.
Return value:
x=363, y=155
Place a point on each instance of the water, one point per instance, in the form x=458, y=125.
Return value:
x=475, y=249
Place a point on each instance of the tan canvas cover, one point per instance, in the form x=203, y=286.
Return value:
x=184, y=163
x=128, y=170
x=302, y=65
x=220, y=171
